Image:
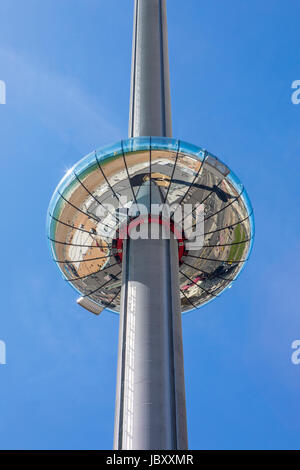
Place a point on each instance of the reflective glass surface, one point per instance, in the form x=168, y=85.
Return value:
x=91, y=203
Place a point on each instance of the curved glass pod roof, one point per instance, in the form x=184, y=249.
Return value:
x=91, y=201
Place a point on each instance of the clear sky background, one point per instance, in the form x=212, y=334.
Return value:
x=66, y=64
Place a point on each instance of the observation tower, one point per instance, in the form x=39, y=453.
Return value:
x=149, y=228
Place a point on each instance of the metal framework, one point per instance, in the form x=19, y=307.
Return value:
x=110, y=192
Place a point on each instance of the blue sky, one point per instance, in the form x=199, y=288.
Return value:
x=66, y=64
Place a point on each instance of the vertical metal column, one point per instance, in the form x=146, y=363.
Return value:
x=150, y=397
x=150, y=102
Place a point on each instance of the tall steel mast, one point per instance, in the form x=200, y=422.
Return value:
x=141, y=278
x=150, y=397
